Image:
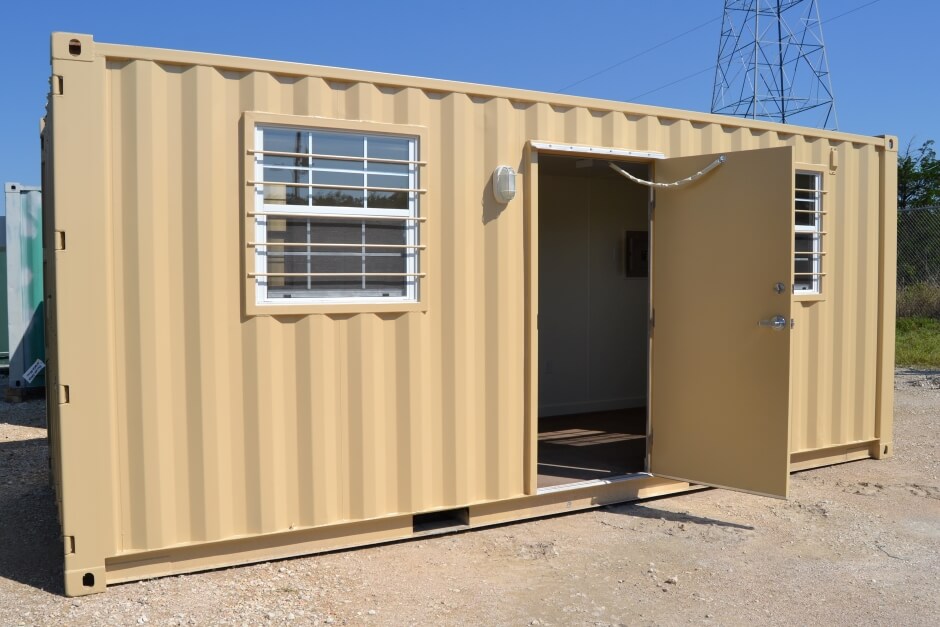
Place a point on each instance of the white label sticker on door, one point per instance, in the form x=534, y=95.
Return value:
x=34, y=371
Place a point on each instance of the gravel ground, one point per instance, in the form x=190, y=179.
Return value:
x=856, y=543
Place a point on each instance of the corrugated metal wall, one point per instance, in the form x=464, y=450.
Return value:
x=836, y=343
x=229, y=425
x=4, y=337
x=232, y=425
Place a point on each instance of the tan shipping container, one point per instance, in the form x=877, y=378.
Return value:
x=287, y=312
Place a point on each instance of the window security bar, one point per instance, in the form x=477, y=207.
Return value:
x=808, y=253
x=335, y=245
x=337, y=274
x=340, y=216
x=816, y=211
x=358, y=188
x=307, y=155
x=809, y=273
x=335, y=202
x=811, y=191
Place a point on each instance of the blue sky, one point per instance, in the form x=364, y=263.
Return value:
x=883, y=57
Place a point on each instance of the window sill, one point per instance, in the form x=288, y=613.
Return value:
x=809, y=298
x=304, y=309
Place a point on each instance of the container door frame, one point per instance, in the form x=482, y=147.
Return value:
x=530, y=189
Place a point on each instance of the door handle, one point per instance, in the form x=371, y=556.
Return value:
x=777, y=323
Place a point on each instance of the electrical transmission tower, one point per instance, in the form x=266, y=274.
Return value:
x=772, y=64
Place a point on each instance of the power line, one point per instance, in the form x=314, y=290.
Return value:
x=638, y=55
x=678, y=80
x=858, y=8
x=712, y=67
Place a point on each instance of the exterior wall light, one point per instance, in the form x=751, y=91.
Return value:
x=504, y=183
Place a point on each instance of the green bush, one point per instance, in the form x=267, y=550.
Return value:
x=919, y=299
x=917, y=342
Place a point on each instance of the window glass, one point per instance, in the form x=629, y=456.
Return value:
x=340, y=144
x=382, y=180
x=382, y=147
x=284, y=140
x=321, y=254
x=808, y=233
x=384, y=233
x=330, y=177
x=338, y=197
x=401, y=169
x=805, y=209
x=294, y=194
x=336, y=164
x=388, y=200
x=806, y=181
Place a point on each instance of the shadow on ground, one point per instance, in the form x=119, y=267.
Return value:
x=21, y=414
x=910, y=370
x=643, y=510
x=30, y=546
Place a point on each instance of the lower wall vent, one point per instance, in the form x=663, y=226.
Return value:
x=441, y=522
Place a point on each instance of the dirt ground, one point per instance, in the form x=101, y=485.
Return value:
x=856, y=543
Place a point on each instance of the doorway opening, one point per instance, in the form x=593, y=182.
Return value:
x=593, y=320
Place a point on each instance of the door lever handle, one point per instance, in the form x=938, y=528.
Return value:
x=777, y=323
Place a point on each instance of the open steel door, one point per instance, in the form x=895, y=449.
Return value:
x=720, y=336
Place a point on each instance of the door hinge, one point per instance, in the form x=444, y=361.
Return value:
x=652, y=321
x=63, y=394
x=59, y=243
x=69, y=542
x=57, y=85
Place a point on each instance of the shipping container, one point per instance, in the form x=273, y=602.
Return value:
x=4, y=337
x=24, y=291
x=295, y=308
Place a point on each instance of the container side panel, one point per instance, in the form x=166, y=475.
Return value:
x=4, y=323
x=835, y=343
x=233, y=425
x=502, y=441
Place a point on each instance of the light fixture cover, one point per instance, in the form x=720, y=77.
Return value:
x=504, y=183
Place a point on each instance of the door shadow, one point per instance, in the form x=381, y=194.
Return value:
x=643, y=510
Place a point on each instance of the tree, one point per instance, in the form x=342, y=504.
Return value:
x=918, y=177
x=919, y=229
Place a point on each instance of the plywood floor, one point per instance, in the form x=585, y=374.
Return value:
x=597, y=445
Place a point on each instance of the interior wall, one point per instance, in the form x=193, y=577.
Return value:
x=592, y=317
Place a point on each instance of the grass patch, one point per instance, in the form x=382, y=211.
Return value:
x=918, y=342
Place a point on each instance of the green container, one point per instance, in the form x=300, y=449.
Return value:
x=24, y=288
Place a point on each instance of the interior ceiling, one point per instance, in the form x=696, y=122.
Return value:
x=563, y=165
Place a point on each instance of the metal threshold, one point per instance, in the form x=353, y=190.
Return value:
x=594, y=482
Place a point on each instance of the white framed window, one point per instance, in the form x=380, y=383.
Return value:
x=808, y=233
x=336, y=216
